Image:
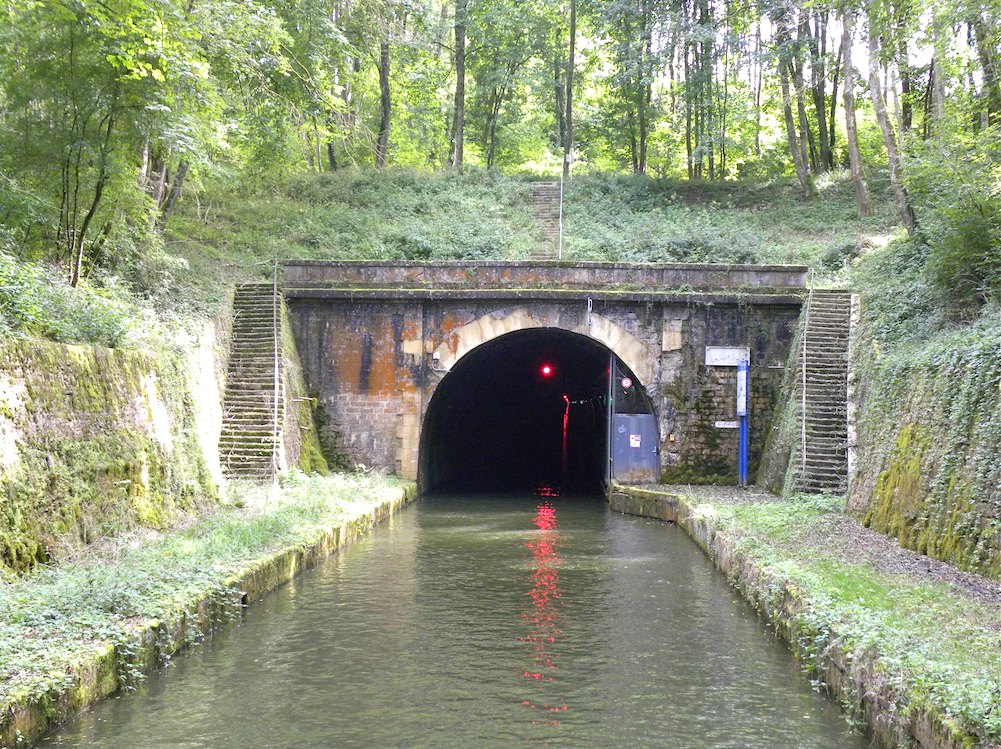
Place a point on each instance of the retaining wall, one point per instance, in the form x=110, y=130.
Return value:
x=854, y=682
x=26, y=719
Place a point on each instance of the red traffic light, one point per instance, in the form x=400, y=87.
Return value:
x=546, y=370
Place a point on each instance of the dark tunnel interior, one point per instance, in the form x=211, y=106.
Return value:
x=522, y=413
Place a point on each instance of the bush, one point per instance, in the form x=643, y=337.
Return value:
x=956, y=186
x=34, y=300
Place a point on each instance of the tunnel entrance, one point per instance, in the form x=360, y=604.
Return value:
x=526, y=412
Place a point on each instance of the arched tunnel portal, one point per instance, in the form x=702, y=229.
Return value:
x=526, y=411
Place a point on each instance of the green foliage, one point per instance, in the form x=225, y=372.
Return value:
x=638, y=219
x=35, y=300
x=351, y=215
x=956, y=184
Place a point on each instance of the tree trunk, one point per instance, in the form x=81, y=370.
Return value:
x=79, y=236
x=176, y=185
x=889, y=138
x=937, y=74
x=459, y=106
x=818, y=79
x=689, y=98
x=758, y=86
x=644, y=87
x=799, y=156
x=806, y=138
x=634, y=159
x=382, y=145
x=559, y=100
x=568, y=145
x=832, y=118
x=987, y=55
x=851, y=128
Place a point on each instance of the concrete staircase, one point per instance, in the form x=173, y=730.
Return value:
x=545, y=203
x=825, y=348
x=250, y=435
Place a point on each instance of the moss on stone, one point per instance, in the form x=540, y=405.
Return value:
x=900, y=489
x=105, y=441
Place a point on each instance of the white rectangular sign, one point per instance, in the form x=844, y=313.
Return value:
x=742, y=392
x=727, y=424
x=726, y=356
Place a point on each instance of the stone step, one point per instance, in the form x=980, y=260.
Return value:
x=246, y=399
x=246, y=449
x=238, y=418
x=256, y=430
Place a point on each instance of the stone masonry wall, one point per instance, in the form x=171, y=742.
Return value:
x=695, y=396
x=369, y=364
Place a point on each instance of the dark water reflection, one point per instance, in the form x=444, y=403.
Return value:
x=487, y=623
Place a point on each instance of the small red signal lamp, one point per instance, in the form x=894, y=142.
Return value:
x=546, y=370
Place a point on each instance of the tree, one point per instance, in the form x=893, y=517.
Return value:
x=851, y=128
x=459, y=102
x=796, y=138
x=904, y=207
x=568, y=120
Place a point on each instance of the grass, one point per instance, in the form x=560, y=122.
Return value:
x=352, y=215
x=612, y=217
x=229, y=232
x=405, y=215
x=943, y=648
x=61, y=614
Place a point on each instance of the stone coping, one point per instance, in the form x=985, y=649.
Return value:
x=854, y=682
x=673, y=296
x=544, y=274
x=151, y=641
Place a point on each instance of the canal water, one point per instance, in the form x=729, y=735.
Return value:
x=495, y=622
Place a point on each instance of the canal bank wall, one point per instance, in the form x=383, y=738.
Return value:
x=149, y=643
x=852, y=678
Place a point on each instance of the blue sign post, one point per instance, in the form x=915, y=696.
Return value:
x=742, y=376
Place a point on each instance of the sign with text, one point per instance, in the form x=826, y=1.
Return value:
x=726, y=356
x=742, y=389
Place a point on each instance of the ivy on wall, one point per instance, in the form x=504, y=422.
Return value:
x=929, y=470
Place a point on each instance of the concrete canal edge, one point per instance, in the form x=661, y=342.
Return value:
x=855, y=682
x=25, y=719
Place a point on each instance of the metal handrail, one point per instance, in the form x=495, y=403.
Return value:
x=559, y=244
x=806, y=331
x=275, y=313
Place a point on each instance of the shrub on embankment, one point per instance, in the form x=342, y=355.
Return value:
x=929, y=431
x=94, y=441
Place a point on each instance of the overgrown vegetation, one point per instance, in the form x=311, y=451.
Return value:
x=636, y=219
x=60, y=615
x=936, y=645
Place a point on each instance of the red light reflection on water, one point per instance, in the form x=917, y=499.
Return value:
x=543, y=612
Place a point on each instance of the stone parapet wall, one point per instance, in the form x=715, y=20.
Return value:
x=304, y=274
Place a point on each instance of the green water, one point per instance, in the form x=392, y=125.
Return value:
x=487, y=623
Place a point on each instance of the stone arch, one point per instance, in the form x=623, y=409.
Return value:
x=634, y=353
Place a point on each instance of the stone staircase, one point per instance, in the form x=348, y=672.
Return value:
x=545, y=204
x=250, y=437
x=825, y=346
